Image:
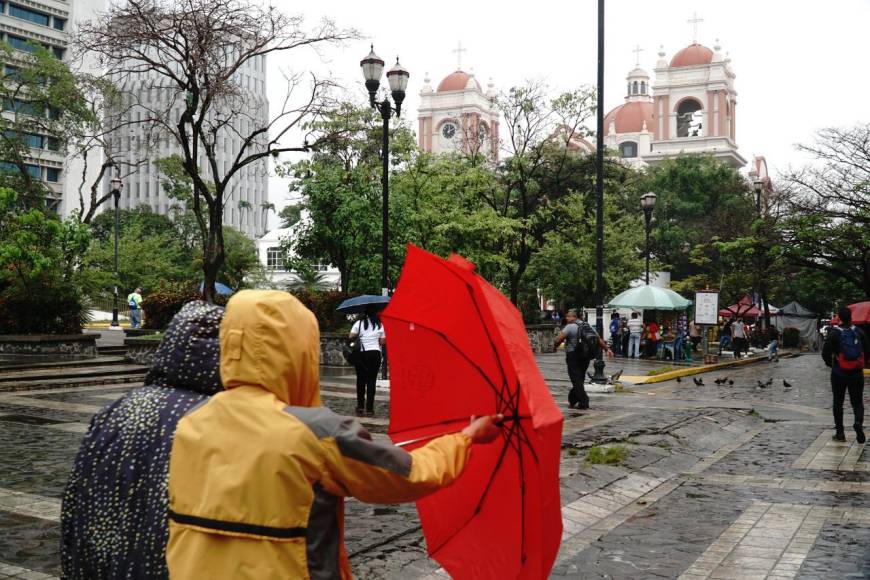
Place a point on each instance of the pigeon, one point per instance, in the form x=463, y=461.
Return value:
x=679, y=380
x=761, y=385
x=615, y=376
x=786, y=384
x=698, y=382
x=719, y=381
x=769, y=382
x=730, y=382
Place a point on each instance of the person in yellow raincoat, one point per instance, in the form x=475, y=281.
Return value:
x=258, y=472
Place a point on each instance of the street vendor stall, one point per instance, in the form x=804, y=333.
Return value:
x=793, y=315
x=653, y=298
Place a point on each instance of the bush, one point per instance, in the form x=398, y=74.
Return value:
x=791, y=337
x=159, y=307
x=44, y=310
x=323, y=304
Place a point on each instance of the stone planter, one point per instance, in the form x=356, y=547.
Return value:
x=141, y=350
x=330, y=349
x=72, y=345
x=542, y=337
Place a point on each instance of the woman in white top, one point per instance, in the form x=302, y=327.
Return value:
x=370, y=332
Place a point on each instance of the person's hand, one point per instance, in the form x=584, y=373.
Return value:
x=483, y=429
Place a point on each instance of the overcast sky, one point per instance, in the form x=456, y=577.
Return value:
x=800, y=66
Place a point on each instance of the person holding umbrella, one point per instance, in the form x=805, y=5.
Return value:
x=258, y=473
x=370, y=333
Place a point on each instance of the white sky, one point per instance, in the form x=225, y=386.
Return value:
x=800, y=65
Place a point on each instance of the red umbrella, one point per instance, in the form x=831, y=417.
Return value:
x=860, y=312
x=457, y=348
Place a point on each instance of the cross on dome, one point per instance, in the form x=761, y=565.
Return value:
x=637, y=52
x=459, y=50
x=694, y=22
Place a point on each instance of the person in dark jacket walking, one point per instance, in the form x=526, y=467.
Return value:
x=581, y=345
x=114, y=515
x=845, y=351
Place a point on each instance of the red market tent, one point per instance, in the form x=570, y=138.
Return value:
x=745, y=307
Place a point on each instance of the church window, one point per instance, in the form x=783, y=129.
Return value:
x=643, y=87
x=628, y=149
x=690, y=119
x=628, y=89
x=634, y=88
x=448, y=131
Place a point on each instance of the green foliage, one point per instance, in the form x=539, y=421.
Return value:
x=161, y=305
x=290, y=215
x=607, y=455
x=241, y=267
x=308, y=278
x=323, y=305
x=38, y=274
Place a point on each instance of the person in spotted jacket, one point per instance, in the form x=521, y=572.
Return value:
x=114, y=518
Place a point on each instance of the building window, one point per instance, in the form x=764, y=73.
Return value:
x=20, y=43
x=274, y=259
x=634, y=88
x=59, y=23
x=628, y=149
x=643, y=87
x=28, y=14
x=689, y=119
x=58, y=52
x=52, y=174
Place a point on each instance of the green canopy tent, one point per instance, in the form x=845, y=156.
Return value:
x=650, y=298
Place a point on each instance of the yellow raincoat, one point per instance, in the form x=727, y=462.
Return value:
x=258, y=472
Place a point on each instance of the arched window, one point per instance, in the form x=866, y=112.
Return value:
x=643, y=87
x=628, y=149
x=689, y=119
x=628, y=89
x=634, y=88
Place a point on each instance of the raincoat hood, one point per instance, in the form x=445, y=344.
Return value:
x=189, y=354
x=270, y=340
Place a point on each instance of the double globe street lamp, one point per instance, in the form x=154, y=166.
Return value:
x=647, y=203
x=372, y=68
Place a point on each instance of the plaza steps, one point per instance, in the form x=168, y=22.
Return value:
x=112, y=350
x=49, y=375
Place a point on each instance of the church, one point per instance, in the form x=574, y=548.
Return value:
x=689, y=107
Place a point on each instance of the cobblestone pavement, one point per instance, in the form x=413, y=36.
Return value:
x=719, y=481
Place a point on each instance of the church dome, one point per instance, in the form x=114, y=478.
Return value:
x=630, y=117
x=457, y=81
x=693, y=55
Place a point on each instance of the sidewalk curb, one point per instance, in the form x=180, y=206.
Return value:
x=648, y=380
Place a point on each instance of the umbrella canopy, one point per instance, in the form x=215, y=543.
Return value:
x=860, y=312
x=746, y=307
x=457, y=348
x=221, y=289
x=359, y=304
x=650, y=298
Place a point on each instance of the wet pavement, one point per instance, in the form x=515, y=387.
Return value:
x=719, y=481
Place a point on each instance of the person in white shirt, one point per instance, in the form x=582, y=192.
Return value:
x=738, y=338
x=370, y=332
x=635, y=330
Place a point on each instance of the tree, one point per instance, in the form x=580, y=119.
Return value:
x=539, y=134
x=265, y=208
x=341, y=193
x=308, y=278
x=290, y=215
x=195, y=51
x=241, y=268
x=828, y=229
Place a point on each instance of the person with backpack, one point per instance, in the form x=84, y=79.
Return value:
x=581, y=345
x=845, y=351
x=134, y=301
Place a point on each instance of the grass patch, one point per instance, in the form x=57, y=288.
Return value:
x=607, y=455
x=661, y=370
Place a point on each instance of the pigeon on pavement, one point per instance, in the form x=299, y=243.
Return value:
x=786, y=384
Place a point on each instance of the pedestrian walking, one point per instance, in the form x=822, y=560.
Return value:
x=773, y=345
x=615, y=342
x=738, y=338
x=134, y=302
x=114, y=517
x=370, y=333
x=635, y=331
x=258, y=474
x=725, y=336
x=581, y=344
x=845, y=351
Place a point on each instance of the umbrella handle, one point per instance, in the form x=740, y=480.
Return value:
x=452, y=431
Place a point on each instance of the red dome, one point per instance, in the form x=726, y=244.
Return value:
x=456, y=81
x=693, y=55
x=629, y=117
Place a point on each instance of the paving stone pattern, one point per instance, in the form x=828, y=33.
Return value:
x=719, y=481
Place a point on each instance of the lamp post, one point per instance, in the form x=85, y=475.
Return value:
x=647, y=203
x=372, y=67
x=598, y=365
x=117, y=184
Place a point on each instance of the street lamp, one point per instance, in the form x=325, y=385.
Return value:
x=758, y=187
x=117, y=185
x=647, y=203
x=598, y=377
x=372, y=67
